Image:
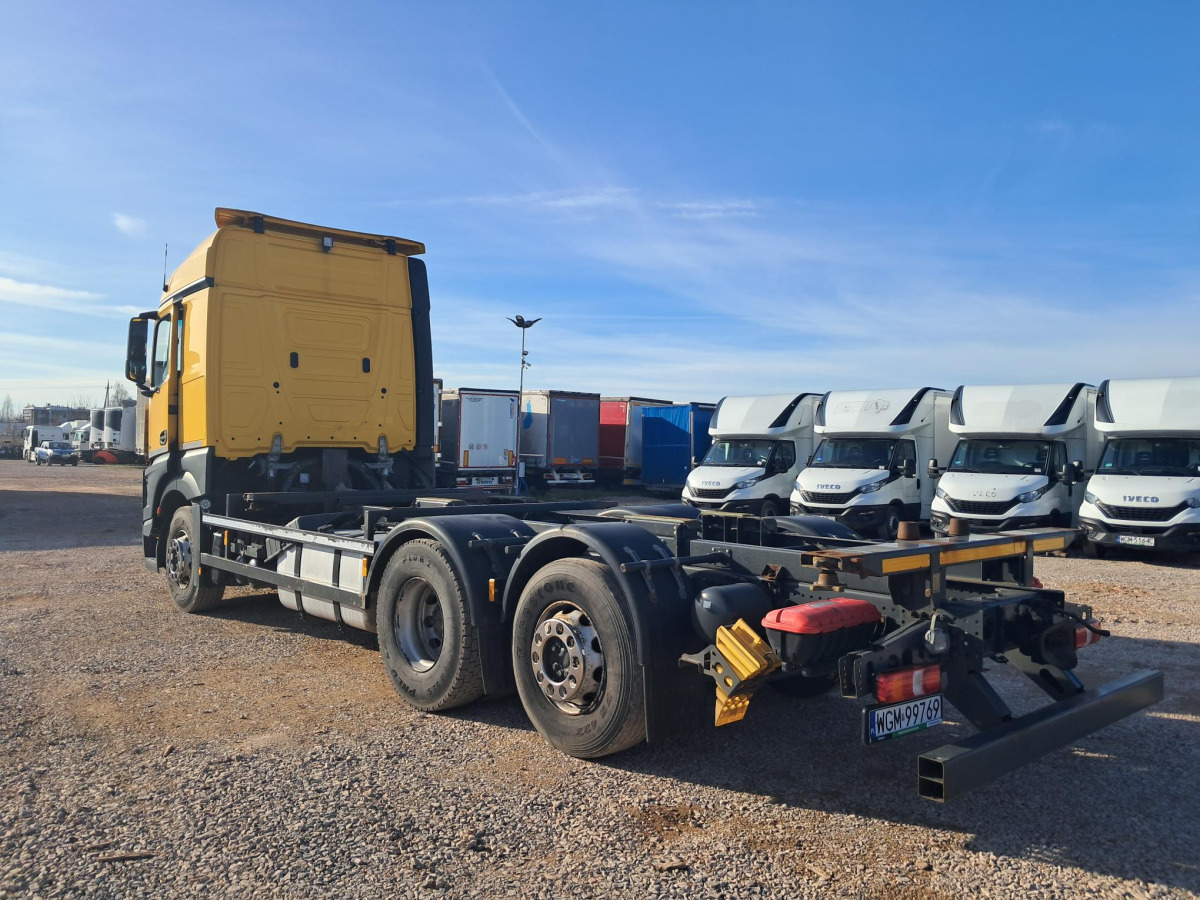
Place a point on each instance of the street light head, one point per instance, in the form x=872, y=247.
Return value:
x=522, y=322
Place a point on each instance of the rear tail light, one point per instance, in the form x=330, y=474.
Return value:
x=906, y=684
x=1085, y=636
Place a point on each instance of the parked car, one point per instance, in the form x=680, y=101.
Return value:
x=61, y=452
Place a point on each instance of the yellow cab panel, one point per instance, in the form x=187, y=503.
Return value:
x=298, y=331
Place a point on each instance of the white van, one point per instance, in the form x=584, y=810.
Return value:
x=759, y=445
x=1023, y=452
x=1146, y=490
x=870, y=470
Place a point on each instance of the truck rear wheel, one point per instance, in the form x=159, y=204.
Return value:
x=428, y=647
x=574, y=660
x=192, y=590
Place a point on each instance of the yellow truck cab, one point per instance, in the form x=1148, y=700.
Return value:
x=283, y=357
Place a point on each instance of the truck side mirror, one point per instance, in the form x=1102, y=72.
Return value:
x=1075, y=471
x=908, y=469
x=135, y=349
x=932, y=469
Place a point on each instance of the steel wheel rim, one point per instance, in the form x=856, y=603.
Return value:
x=418, y=624
x=179, y=559
x=568, y=659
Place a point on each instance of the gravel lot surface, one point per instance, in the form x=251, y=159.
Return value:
x=250, y=752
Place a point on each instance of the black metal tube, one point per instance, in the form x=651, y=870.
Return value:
x=954, y=769
x=673, y=562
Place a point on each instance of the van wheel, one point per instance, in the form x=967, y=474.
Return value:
x=428, y=647
x=891, y=525
x=770, y=507
x=1092, y=550
x=574, y=660
x=192, y=590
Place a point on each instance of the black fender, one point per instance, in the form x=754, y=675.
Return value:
x=475, y=567
x=660, y=603
x=170, y=481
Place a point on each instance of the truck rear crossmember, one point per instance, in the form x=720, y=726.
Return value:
x=585, y=609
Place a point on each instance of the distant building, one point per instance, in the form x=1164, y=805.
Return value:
x=52, y=415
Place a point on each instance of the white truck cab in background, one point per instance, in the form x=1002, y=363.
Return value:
x=33, y=436
x=1146, y=490
x=759, y=445
x=869, y=470
x=1023, y=452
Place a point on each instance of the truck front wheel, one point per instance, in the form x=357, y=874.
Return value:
x=574, y=660
x=428, y=647
x=192, y=590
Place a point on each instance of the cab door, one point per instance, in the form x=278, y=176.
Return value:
x=162, y=406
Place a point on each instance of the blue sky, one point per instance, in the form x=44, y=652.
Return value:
x=701, y=199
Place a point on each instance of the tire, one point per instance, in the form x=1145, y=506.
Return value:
x=770, y=507
x=192, y=593
x=37, y=460
x=425, y=640
x=75, y=462
x=891, y=526
x=799, y=686
x=1093, y=550
x=574, y=616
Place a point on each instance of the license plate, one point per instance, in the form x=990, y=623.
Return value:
x=1135, y=540
x=486, y=479
x=883, y=722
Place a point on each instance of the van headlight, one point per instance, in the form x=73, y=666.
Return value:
x=941, y=493
x=748, y=483
x=1090, y=497
x=1030, y=496
x=1193, y=502
x=870, y=488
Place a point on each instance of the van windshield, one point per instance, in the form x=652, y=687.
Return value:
x=854, y=453
x=739, y=453
x=1000, y=457
x=1151, y=456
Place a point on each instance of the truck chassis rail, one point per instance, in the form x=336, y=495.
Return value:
x=955, y=769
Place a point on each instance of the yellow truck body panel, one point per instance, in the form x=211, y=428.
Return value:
x=293, y=330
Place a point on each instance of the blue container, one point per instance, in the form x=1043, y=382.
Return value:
x=674, y=439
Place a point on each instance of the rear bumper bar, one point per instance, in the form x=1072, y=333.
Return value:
x=954, y=769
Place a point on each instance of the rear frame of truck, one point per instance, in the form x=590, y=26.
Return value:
x=660, y=581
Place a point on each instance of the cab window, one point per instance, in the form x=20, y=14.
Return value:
x=1058, y=460
x=905, y=451
x=162, y=352
x=785, y=456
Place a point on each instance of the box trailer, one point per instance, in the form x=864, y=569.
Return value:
x=621, y=436
x=674, y=440
x=560, y=436
x=479, y=437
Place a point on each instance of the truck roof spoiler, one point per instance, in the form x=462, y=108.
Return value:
x=260, y=223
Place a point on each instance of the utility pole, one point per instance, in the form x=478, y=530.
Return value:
x=524, y=324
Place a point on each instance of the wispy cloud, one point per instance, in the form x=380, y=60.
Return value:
x=713, y=209
x=129, y=225
x=45, y=296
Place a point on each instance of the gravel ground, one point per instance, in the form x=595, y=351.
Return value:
x=254, y=753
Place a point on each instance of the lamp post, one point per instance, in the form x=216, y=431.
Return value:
x=524, y=324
